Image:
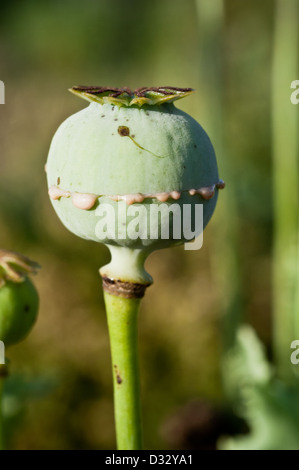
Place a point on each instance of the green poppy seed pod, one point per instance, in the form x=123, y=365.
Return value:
x=18, y=297
x=114, y=164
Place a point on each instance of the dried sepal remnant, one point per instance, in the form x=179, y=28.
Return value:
x=14, y=267
x=126, y=97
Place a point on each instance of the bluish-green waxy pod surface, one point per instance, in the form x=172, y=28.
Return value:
x=110, y=150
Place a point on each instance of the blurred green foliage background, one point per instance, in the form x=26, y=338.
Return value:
x=59, y=395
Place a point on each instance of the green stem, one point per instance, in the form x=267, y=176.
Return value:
x=122, y=315
x=285, y=184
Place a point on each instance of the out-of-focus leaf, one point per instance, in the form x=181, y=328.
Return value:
x=270, y=408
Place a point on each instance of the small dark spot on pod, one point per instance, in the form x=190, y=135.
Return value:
x=103, y=115
x=58, y=180
x=123, y=131
x=115, y=119
x=195, y=146
x=26, y=308
x=133, y=135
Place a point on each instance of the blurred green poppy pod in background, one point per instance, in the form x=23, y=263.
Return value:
x=18, y=297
